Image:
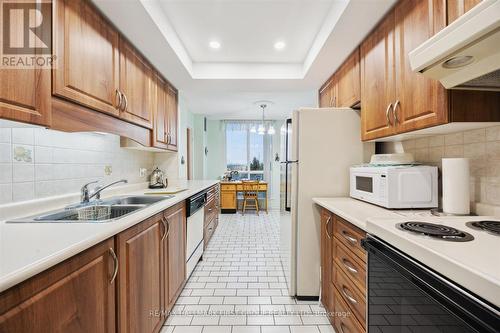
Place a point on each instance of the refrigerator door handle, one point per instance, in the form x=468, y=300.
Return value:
x=290, y=162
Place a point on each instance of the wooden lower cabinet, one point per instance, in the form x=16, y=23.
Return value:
x=343, y=273
x=83, y=294
x=74, y=296
x=228, y=199
x=175, y=253
x=326, y=259
x=140, y=277
x=211, y=214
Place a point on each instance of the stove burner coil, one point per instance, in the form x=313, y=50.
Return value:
x=437, y=231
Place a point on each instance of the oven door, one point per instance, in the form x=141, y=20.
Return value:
x=406, y=296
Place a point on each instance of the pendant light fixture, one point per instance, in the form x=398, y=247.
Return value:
x=262, y=126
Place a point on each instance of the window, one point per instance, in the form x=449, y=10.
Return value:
x=246, y=151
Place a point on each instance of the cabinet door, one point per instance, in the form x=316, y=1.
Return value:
x=175, y=253
x=140, y=253
x=172, y=118
x=136, y=83
x=457, y=8
x=420, y=101
x=348, y=87
x=326, y=260
x=74, y=296
x=86, y=47
x=324, y=96
x=159, y=132
x=377, y=80
x=228, y=200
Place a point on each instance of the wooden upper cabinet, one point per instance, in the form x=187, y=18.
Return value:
x=172, y=118
x=175, y=253
x=86, y=47
x=140, y=283
x=74, y=296
x=25, y=95
x=136, y=84
x=159, y=133
x=348, y=77
x=457, y=8
x=377, y=80
x=419, y=102
x=328, y=93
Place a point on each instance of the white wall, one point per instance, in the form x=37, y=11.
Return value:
x=36, y=162
x=216, y=143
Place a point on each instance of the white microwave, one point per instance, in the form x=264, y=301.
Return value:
x=398, y=187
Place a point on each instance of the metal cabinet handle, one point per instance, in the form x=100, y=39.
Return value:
x=387, y=114
x=349, y=266
x=115, y=261
x=125, y=107
x=348, y=295
x=120, y=99
x=395, y=112
x=326, y=226
x=166, y=224
x=349, y=237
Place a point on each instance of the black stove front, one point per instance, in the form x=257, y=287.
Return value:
x=405, y=296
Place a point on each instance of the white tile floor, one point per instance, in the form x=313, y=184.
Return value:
x=239, y=287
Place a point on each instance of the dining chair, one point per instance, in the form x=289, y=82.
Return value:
x=250, y=195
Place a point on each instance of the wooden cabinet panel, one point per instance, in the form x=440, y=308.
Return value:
x=136, y=83
x=326, y=259
x=175, y=250
x=349, y=85
x=74, y=296
x=140, y=253
x=86, y=47
x=377, y=80
x=419, y=102
x=348, y=323
x=350, y=236
x=159, y=133
x=328, y=93
x=25, y=95
x=172, y=117
x=351, y=295
x=351, y=264
x=228, y=199
x=457, y=8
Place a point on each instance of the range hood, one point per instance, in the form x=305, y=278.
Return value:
x=465, y=54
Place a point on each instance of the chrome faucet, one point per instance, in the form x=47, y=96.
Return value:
x=85, y=196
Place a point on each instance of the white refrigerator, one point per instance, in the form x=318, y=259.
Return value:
x=317, y=148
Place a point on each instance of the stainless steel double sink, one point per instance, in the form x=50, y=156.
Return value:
x=117, y=208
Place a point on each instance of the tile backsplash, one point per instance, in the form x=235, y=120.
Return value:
x=37, y=162
x=481, y=146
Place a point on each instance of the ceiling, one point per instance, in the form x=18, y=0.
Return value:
x=175, y=34
x=247, y=30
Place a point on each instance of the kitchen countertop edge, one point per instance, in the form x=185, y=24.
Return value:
x=113, y=228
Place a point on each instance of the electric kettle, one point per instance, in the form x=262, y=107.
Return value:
x=157, y=179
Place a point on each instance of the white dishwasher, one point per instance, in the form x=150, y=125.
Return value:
x=194, y=231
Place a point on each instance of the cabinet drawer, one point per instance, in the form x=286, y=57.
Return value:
x=211, y=211
x=350, y=293
x=228, y=187
x=212, y=192
x=347, y=323
x=351, y=265
x=208, y=232
x=350, y=236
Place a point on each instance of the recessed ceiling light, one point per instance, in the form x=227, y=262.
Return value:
x=279, y=45
x=214, y=45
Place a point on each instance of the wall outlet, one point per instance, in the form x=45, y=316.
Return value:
x=142, y=172
x=108, y=170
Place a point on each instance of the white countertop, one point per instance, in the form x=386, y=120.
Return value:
x=27, y=249
x=473, y=265
x=354, y=211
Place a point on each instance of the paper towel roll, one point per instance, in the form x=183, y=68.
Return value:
x=456, y=186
